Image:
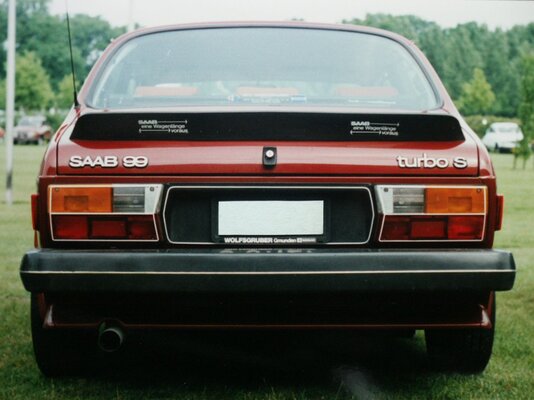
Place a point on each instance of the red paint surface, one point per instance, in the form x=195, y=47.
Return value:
x=244, y=158
x=297, y=162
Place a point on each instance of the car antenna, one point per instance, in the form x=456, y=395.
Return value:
x=75, y=92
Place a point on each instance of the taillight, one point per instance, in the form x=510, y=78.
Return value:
x=104, y=212
x=432, y=213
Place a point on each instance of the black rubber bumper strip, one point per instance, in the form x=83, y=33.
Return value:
x=264, y=270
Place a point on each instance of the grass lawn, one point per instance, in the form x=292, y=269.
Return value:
x=294, y=367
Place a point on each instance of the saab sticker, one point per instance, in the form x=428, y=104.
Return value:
x=431, y=162
x=157, y=126
x=379, y=128
x=108, y=162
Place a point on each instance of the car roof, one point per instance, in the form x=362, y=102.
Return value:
x=503, y=124
x=267, y=24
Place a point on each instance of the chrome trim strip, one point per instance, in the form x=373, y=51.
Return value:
x=343, y=272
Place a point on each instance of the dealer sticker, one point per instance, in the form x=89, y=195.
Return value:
x=157, y=126
x=379, y=128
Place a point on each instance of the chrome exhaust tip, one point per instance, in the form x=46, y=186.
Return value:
x=110, y=338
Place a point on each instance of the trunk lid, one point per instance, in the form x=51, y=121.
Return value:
x=234, y=144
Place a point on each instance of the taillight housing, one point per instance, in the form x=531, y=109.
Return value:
x=117, y=212
x=414, y=213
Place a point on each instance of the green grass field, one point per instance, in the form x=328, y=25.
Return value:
x=386, y=368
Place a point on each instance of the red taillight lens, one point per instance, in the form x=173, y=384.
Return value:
x=70, y=227
x=422, y=227
x=141, y=227
x=465, y=227
x=396, y=228
x=428, y=228
x=103, y=227
x=108, y=228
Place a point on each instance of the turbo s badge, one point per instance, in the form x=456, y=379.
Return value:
x=431, y=162
x=108, y=161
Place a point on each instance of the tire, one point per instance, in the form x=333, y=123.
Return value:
x=464, y=350
x=59, y=352
x=496, y=148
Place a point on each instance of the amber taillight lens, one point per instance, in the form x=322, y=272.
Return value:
x=455, y=200
x=81, y=199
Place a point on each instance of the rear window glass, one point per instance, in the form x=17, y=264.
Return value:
x=271, y=66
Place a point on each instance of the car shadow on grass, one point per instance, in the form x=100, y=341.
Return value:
x=359, y=364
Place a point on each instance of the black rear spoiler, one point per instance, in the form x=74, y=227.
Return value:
x=246, y=126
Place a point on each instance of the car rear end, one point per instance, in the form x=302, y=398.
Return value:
x=291, y=191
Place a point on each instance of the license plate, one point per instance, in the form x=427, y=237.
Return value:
x=271, y=218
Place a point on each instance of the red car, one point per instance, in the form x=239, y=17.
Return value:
x=264, y=175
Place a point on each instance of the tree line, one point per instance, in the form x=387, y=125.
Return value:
x=481, y=68
x=43, y=77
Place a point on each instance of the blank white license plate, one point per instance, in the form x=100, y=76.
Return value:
x=271, y=218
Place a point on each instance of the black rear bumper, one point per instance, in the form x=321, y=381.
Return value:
x=266, y=270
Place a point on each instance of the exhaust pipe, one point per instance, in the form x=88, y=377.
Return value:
x=110, y=338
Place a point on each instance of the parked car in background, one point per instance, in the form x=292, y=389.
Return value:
x=502, y=137
x=32, y=129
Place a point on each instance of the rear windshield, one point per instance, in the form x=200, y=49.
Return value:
x=270, y=66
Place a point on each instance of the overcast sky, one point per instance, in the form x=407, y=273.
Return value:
x=447, y=13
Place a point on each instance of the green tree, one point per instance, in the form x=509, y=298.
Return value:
x=477, y=96
x=526, y=109
x=33, y=90
x=91, y=35
x=64, y=95
x=406, y=25
x=46, y=35
x=463, y=57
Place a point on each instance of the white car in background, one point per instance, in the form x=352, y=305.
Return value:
x=32, y=129
x=502, y=137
